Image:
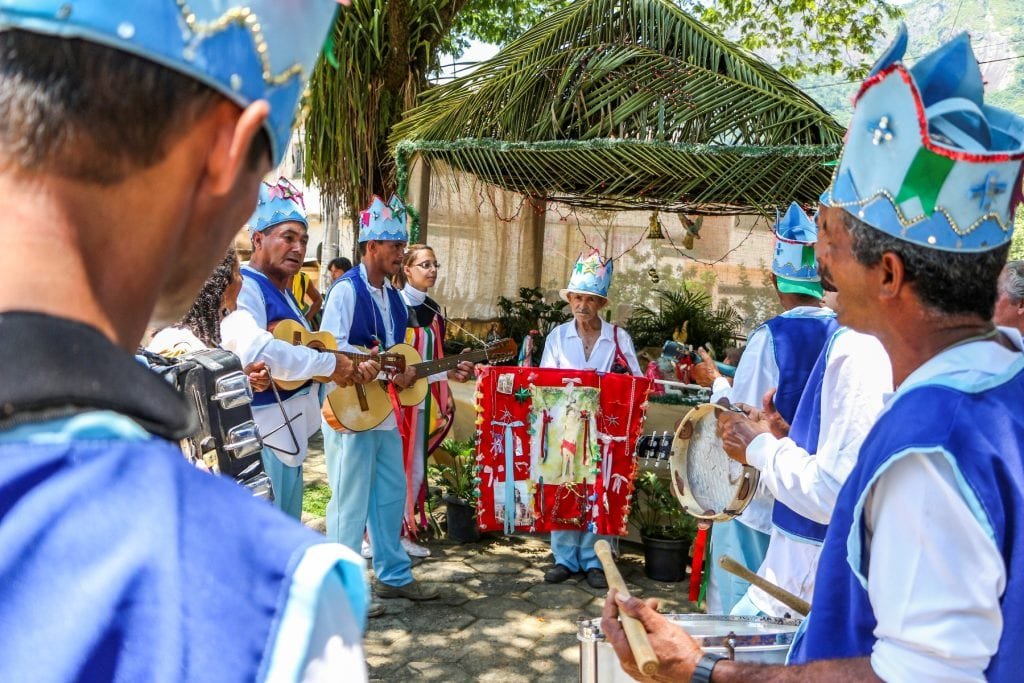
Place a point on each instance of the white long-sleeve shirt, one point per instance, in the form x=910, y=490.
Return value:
x=244, y=333
x=339, y=311
x=563, y=348
x=935, y=575
x=858, y=376
x=756, y=373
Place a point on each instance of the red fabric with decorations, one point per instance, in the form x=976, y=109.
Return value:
x=569, y=438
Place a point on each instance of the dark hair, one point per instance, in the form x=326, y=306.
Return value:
x=203, y=319
x=948, y=282
x=341, y=263
x=90, y=112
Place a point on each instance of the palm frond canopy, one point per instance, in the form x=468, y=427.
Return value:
x=628, y=104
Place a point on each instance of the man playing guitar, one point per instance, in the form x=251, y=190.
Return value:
x=365, y=469
x=286, y=418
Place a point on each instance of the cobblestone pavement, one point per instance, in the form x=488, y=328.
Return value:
x=496, y=619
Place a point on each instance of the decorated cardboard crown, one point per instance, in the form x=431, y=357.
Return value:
x=248, y=51
x=592, y=274
x=384, y=222
x=925, y=159
x=278, y=203
x=794, y=263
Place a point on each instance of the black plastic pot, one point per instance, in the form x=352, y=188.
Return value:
x=665, y=559
x=461, y=520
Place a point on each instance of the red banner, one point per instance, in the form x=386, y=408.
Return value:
x=556, y=448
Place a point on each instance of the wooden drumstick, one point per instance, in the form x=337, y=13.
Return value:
x=643, y=653
x=795, y=603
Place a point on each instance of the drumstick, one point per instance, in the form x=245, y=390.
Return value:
x=644, y=655
x=795, y=603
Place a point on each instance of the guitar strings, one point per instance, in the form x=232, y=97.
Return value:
x=454, y=324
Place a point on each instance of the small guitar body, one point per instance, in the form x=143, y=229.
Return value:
x=364, y=406
x=296, y=334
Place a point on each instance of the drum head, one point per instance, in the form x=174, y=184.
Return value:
x=707, y=482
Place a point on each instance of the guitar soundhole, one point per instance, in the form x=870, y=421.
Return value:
x=296, y=338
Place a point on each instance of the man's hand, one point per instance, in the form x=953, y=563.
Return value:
x=705, y=372
x=259, y=376
x=677, y=652
x=366, y=371
x=737, y=431
x=404, y=380
x=777, y=423
x=462, y=372
x=344, y=369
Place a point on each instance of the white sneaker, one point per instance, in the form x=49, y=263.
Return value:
x=413, y=549
x=367, y=550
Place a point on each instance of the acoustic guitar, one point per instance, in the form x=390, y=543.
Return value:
x=364, y=406
x=294, y=333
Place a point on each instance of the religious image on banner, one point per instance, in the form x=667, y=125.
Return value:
x=556, y=448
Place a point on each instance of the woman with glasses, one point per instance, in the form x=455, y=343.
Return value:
x=430, y=421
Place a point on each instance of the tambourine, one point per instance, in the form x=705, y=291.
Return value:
x=707, y=482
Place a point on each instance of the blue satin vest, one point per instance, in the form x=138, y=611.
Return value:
x=367, y=322
x=796, y=341
x=981, y=430
x=280, y=306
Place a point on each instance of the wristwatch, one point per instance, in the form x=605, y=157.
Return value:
x=702, y=672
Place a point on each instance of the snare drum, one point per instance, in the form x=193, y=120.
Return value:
x=746, y=639
x=707, y=482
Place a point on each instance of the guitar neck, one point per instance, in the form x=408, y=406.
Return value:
x=448, y=362
x=353, y=356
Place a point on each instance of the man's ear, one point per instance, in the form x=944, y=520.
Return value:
x=257, y=241
x=891, y=274
x=233, y=135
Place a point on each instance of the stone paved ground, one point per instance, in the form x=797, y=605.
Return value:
x=496, y=619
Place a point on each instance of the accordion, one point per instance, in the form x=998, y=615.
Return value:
x=226, y=440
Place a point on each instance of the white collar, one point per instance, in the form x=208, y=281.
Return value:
x=362, y=274
x=606, y=329
x=413, y=296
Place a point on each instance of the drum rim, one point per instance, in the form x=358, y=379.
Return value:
x=589, y=631
x=677, y=464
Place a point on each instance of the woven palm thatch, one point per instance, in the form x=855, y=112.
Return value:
x=628, y=104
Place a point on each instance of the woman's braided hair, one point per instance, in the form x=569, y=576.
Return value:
x=203, y=319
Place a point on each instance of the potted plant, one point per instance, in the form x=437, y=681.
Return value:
x=455, y=476
x=666, y=530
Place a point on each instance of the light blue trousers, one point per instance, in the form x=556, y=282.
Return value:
x=575, y=549
x=743, y=544
x=367, y=479
x=287, y=483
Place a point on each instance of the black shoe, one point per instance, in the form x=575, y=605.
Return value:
x=595, y=578
x=557, y=574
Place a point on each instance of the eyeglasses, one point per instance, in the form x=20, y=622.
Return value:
x=429, y=265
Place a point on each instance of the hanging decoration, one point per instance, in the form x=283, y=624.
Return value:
x=563, y=458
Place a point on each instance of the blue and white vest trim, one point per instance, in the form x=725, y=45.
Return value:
x=797, y=340
x=368, y=327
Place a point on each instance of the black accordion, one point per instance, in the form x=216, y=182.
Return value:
x=226, y=440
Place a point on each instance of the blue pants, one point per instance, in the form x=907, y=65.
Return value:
x=368, y=487
x=575, y=549
x=287, y=483
x=743, y=544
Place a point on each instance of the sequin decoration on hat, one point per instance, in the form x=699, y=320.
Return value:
x=794, y=263
x=384, y=222
x=592, y=274
x=257, y=50
x=278, y=203
x=926, y=160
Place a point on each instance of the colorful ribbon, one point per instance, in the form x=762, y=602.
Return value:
x=510, y=483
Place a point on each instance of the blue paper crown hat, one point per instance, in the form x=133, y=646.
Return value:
x=256, y=50
x=794, y=263
x=592, y=274
x=278, y=203
x=384, y=222
x=926, y=160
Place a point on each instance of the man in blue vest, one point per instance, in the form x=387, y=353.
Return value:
x=286, y=418
x=133, y=136
x=366, y=469
x=918, y=577
x=779, y=356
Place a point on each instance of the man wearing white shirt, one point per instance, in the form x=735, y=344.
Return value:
x=366, y=469
x=286, y=419
x=780, y=355
x=919, y=574
x=1010, y=299
x=805, y=470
